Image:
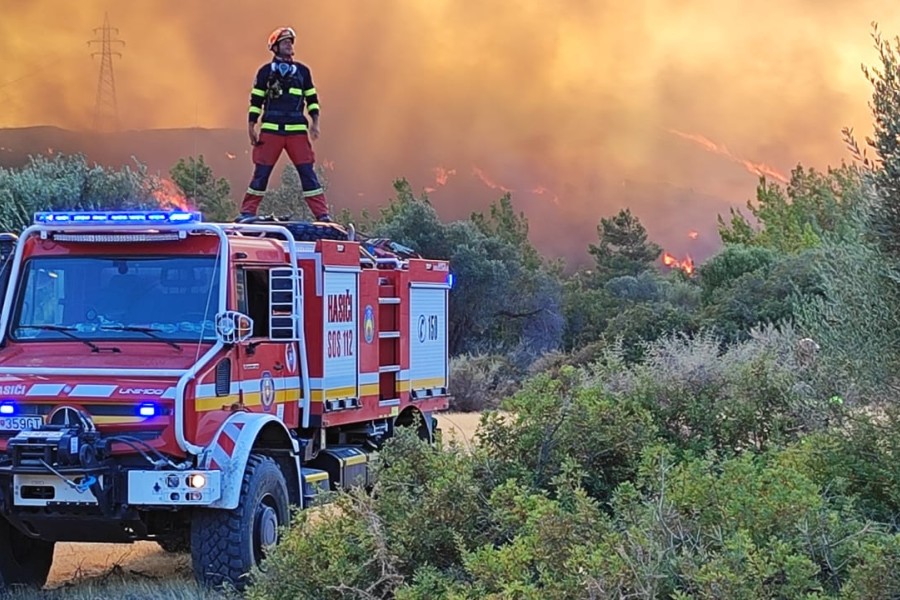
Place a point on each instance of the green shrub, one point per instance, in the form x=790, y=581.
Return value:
x=748, y=396
x=65, y=182
x=859, y=460
x=874, y=572
x=742, y=527
x=481, y=382
x=855, y=322
x=339, y=553
x=432, y=501
x=542, y=540
x=553, y=419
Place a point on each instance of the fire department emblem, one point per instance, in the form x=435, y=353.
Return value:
x=369, y=324
x=290, y=358
x=422, y=329
x=267, y=391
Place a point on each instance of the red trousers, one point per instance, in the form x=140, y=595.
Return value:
x=266, y=154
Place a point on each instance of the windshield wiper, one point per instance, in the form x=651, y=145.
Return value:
x=148, y=331
x=67, y=331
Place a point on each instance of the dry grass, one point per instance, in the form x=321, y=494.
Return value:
x=140, y=571
x=460, y=426
x=73, y=562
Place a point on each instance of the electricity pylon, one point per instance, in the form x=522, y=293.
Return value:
x=106, y=109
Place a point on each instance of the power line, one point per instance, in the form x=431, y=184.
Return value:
x=106, y=109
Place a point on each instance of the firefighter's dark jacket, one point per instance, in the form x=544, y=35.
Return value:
x=280, y=92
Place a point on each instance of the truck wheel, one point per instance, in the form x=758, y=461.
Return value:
x=226, y=544
x=23, y=560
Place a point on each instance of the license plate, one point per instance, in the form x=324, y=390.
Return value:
x=20, y=423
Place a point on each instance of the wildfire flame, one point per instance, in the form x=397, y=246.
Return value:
x=541, y=190
x=693, y=235
x=480, y=174
x=328, y=165
x=759, y=169
x=169, y=196
x=686, y=265
x=441, y=176
x=230, y=155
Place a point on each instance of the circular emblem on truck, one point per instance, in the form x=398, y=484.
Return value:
x=267, y=391
x=290, y=358
x=369, y=323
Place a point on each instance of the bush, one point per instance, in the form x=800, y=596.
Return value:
x=554, y=419
x=747, y=396
x=741, y=527
x=69, y=183
x=337, y=554
x=481, y=382
x=855, y=322
x=542, y=541
x=432, y=501
x=859, y=460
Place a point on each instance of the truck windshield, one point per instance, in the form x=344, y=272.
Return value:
x=174, y=298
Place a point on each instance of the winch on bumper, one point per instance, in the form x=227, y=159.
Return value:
x=65, y=474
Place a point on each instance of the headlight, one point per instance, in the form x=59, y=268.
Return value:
x=196, y=480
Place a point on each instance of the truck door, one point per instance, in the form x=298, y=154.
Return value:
x=263, y=362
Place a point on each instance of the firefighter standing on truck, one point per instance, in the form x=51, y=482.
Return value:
x=281, y=90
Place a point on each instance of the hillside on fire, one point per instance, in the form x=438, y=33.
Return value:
x=652, y=426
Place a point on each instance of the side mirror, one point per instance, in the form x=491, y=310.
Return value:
x=233, y=327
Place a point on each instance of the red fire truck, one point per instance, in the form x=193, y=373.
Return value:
x=166, y=379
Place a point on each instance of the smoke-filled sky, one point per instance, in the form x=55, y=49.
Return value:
x=580, y=107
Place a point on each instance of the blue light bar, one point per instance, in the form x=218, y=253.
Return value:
x=450, y=279
x=117, y=217
x=148, y=409
x=7, y=408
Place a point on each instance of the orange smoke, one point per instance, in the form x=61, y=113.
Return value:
x=575, y=96
x=756, y=168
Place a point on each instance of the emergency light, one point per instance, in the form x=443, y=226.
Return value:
x=7, y=408
x=117, y=217
x=147, y=409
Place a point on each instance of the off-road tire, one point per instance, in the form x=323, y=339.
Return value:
x=226, y=544
x=23, y=560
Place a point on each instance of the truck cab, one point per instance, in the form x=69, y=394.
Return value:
x=166, y=379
